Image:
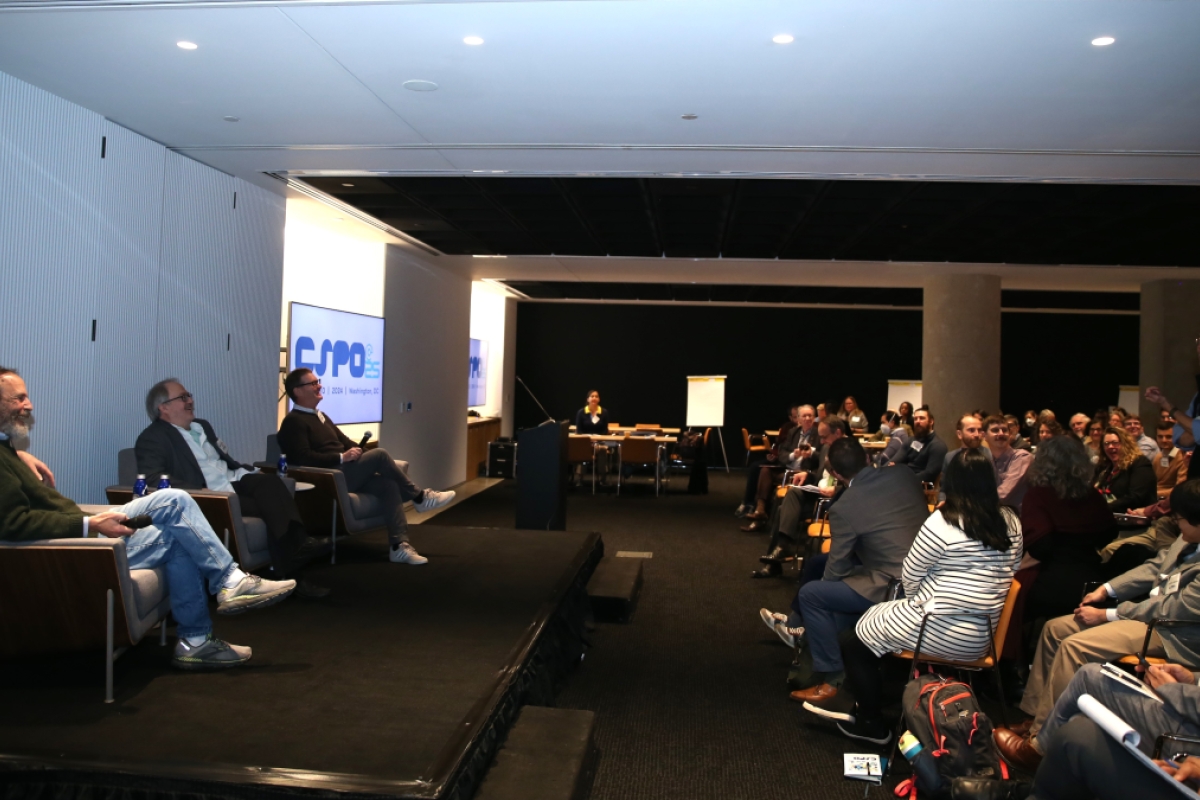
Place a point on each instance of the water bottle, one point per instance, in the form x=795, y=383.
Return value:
x=139, y=486
x=925, y=771
x=282, y=465
x=164, y=482
x=910, y=745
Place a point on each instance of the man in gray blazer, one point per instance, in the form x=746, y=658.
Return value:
x=871, y=527
x=1096, y=634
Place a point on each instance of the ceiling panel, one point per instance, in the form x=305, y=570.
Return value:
x=844, y=220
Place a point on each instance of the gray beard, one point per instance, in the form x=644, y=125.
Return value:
x=17, y=430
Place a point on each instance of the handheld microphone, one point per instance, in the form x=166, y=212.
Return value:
x=138, y=522
x=366, y=437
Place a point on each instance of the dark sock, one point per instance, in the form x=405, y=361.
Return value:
x=420, y=498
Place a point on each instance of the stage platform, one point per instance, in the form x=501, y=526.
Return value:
x=401, y=684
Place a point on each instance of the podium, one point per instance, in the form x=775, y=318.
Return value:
x=542, y=477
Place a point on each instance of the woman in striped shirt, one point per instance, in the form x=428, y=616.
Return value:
x=963, y=559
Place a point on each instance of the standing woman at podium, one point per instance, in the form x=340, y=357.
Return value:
x=592, y=418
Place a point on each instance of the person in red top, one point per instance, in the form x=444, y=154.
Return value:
x=1065, y=522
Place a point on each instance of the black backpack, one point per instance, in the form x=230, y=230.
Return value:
x=955, y=734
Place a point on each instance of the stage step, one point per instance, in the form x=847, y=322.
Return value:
x=614, y=588
x=548, y=755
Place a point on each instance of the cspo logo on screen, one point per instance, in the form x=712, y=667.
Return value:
x=345, y=351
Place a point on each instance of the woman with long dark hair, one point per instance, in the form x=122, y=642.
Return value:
x=906, y=413
x=963, y=559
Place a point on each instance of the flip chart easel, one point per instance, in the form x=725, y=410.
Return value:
x=706, y=406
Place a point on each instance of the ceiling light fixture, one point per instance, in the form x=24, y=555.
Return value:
x=232, y=119
x=186, y=45
x=783, y=38
x=473, y=40
x=348, y=185
x=420, y=86
x=1103, y=41
x=689, y=116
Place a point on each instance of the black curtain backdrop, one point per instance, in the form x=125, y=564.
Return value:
x=639, y=357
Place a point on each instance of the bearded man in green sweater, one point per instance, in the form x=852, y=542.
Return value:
x=179, y=539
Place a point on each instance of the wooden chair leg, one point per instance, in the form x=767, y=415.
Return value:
x=109, y=656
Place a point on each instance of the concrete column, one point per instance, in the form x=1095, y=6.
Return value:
x=960, y=351
x=1170, y=324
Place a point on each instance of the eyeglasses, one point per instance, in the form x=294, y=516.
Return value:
x=316, y=383
x=185, y=397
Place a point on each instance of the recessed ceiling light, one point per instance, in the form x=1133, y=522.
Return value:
x=783, y=38
x=473, y=40
x=351, y=185
x=420, y=86
x=339, y=219
x=1103, y=41
x=232, y=119
x=186, y=45
x=689, y=116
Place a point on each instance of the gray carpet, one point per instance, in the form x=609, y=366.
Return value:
x=690, y=696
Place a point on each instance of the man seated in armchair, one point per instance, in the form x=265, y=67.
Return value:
x=309, y=438
x=178, y=444
x=179, y=539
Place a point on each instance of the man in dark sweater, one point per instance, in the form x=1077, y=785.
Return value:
x=179, y=444
x=926, y=453
x=310, y=439
x=179, y=539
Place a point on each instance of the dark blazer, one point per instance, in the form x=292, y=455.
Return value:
x=161, y=449
x=1135, y=487
x=871, y=529
x=584, y=424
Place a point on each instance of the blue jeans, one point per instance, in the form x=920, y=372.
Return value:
x=182, y=541
x=828, y=608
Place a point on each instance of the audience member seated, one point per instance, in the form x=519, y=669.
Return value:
x=1029, y=425
x=926, y=453
x=871, y=527
x=1011, y=464
x=1171, y=465
x=906, y=413
x=311, y=439
x=1047, y=429
x=1093, y=634
x=798, y=505
x=178, y=444
x=854, y=417
x=1079, y=425
x=1018, y=441
x=887, y=423
x=898, y=439
x=1065, y=522
x=969, y=431
x=963, y=558
x=793, y=450
x=1116, y=417
x=592, y=419
x=1176, y=712
x=1149, y=447
x=1095, y=440
x=179, y=539
x=1125, y=476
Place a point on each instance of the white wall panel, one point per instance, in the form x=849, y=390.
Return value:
x=49, y=176
x=428, y=318
x=195, y=290
x=149, y=245
x=128, y=242
x=252, y=362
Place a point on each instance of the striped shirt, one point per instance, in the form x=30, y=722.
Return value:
x=948, y=571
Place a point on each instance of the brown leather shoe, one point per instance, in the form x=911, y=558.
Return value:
x=1017, y=750
x=1021, y=728
x=822, y=691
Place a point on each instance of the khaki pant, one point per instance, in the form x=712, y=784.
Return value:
x=1065, y=646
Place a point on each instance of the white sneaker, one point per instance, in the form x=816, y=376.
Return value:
x=252, y=592
x=405, y=554
x=769, y=617
x=788, y=635
x=433, y=500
